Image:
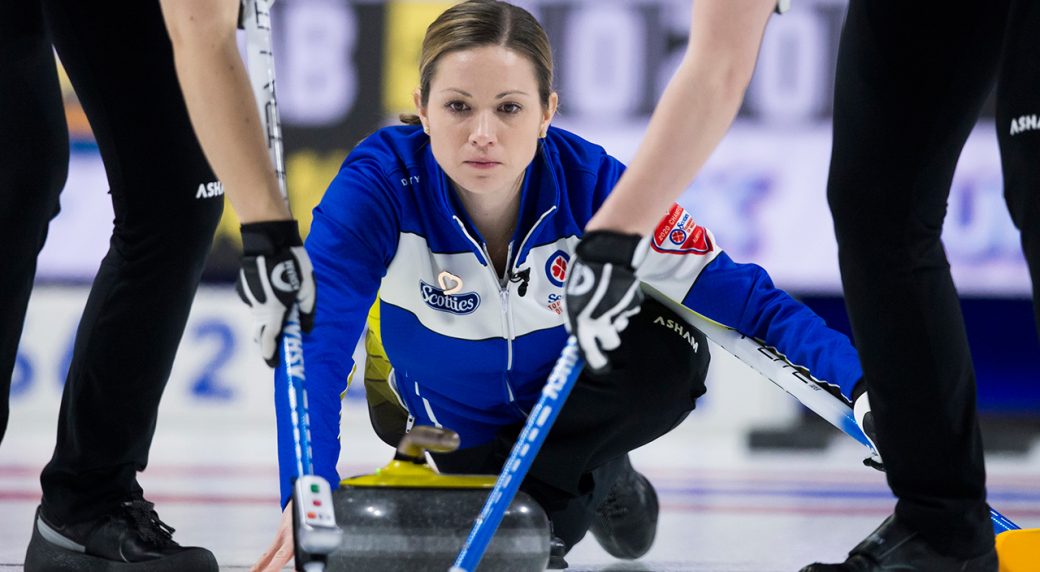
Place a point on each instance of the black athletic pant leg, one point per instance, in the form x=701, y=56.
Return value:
x=34, y=159
x=911, y=79
x=656, y=379
x=654, y=383
x=120, y=61
x=1018, y=130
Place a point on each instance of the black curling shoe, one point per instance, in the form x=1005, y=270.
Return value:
x=894, y=547
x=132, y=539
x=625, y=524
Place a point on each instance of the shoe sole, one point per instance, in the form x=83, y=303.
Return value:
x=606, y=537
x=42, y=556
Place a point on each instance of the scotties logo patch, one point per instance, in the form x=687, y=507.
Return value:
x=679, y=234
x=459, y=304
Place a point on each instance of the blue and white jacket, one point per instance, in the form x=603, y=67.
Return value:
x=475, y=360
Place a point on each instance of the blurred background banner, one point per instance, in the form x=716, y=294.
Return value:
x=346, y=68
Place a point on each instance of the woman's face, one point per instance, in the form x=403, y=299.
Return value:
x=484, y=117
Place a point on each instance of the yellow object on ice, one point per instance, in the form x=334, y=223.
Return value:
x=405, y=474
x=1019, y=550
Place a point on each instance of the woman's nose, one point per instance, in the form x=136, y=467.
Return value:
x=483, y=133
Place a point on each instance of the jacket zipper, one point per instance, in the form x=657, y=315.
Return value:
x=502, y=284
x=503, y=291
x=505, y=301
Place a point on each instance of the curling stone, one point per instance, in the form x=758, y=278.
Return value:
x=407, y=517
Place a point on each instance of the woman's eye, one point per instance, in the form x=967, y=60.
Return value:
x=457, y=106
x=510, y=108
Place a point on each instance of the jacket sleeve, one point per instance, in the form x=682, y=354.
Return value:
x=685, y=263
x=352, y=239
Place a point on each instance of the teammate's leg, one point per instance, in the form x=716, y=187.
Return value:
x=120, y=61
x=34, y=159
x=656, y=378
x=1018, y=130
x=582, y=474
x=608, y=415
x=911, y=79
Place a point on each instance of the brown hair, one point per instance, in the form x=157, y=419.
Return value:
x=478, y=23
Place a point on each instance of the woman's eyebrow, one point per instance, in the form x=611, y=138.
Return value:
x=465, y=93
x=511, y=92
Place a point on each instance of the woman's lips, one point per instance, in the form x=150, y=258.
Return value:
x=483, y=164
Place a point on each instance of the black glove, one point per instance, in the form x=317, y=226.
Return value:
x=602, y=292
x=276, y=273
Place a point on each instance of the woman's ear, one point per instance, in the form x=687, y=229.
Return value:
x=548, y=113
x=420, y=110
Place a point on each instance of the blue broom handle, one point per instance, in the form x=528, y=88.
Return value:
x=554, y=394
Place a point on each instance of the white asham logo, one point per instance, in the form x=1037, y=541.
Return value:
x=208, y=190
x=679, y=329
x=1025, y=123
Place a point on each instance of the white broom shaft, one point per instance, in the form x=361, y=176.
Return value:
x=260, y=57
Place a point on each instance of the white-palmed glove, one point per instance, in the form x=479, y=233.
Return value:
x=276, y=272
x=602, y=292
x=865, y=419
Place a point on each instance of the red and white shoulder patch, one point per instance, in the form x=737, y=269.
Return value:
x=677, y=233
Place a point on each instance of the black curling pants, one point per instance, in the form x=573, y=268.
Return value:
x=656, y=379
x=119, y=59
x=911, y=79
